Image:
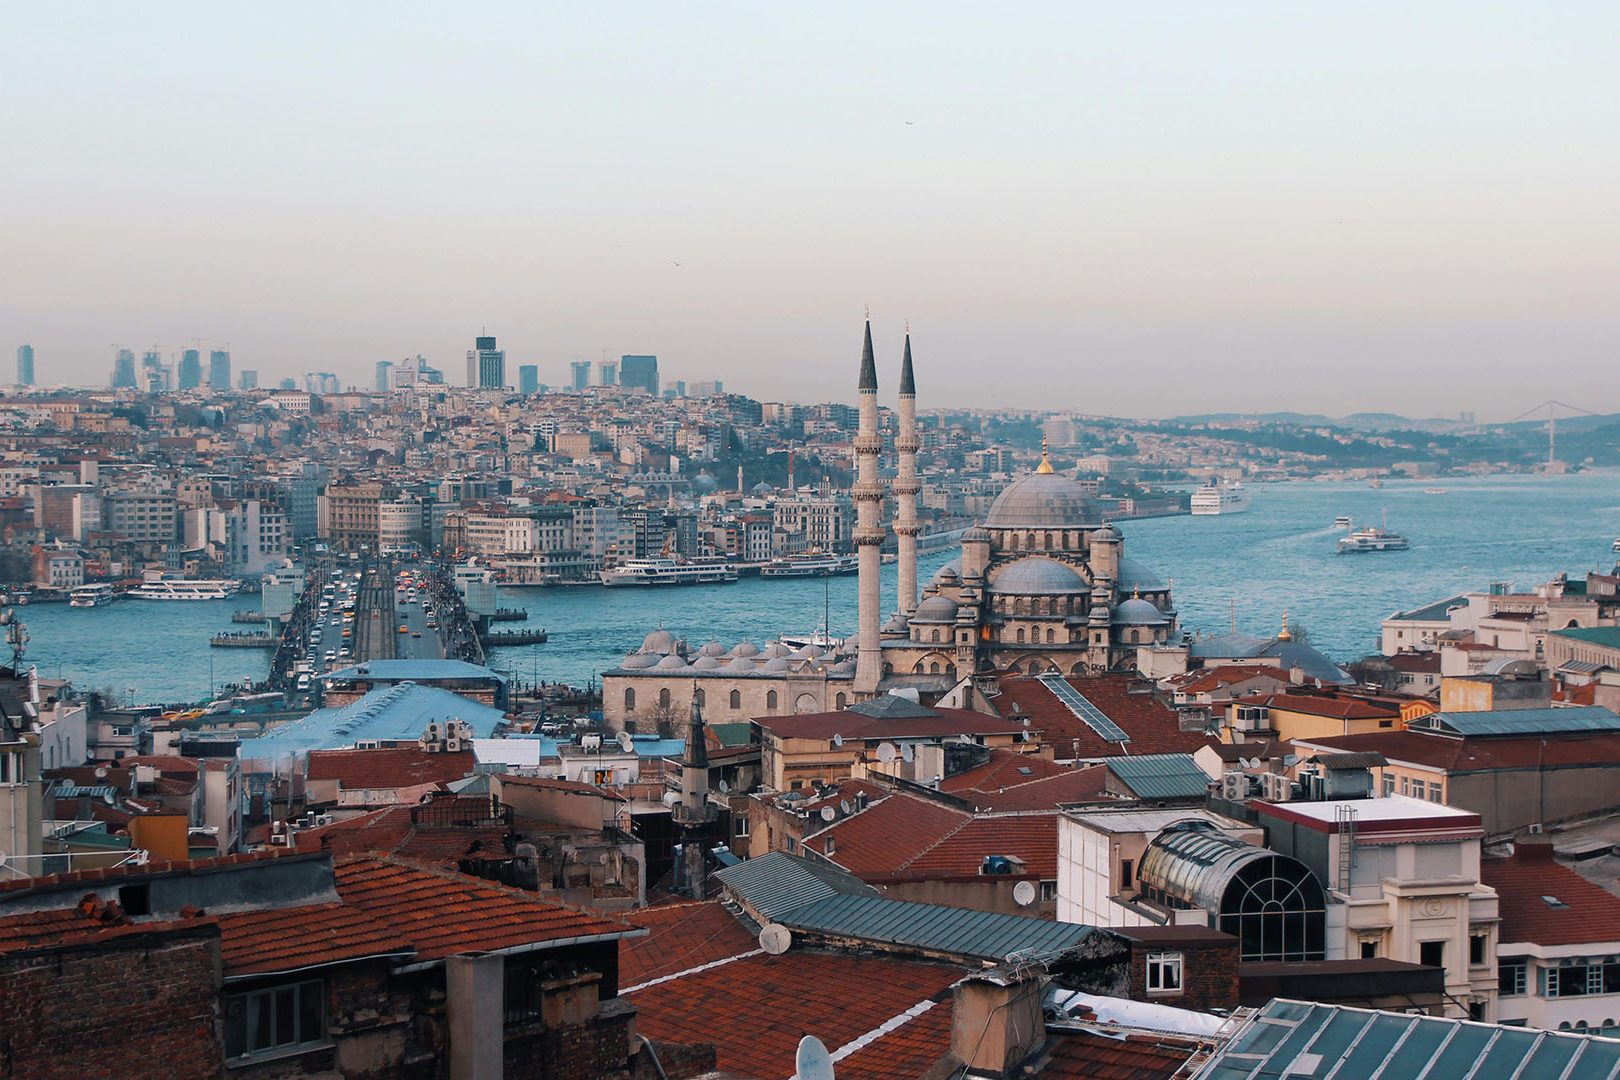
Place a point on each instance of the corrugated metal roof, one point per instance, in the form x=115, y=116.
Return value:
x=1593, y=635
x=1296, y=1038
x=1160, y=776
x=1522, y=721
x=394, y=712
x=776, y=883
x=981, y=935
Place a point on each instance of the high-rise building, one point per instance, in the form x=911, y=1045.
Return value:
x=529, y=379
x=123, y=376
x=190, y=369
x=219, y=369
x=486, y=365
x=640, y=372
x=248, y=379
x=579, y=374
x=385, y=373
x=289, y=384
x=608, y=370
x=155, y=374
x=25, y=365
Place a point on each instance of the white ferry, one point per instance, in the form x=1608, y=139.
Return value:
x=93, y=596
x=1222, y=498
x=1371, y=538
x=704, y=570
x=1342, y=521
x=166, y=588
x=811, y=564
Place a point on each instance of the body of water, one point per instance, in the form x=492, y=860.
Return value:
x=1279, y=556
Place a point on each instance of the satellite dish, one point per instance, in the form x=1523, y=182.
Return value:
x=886, y=753
x=775, y=938
x=967, y=740
x=724, y=787
x=626, y=743
x=1024, y=893
x=838, y=740
x=828, y=814
x=1249, y=763
x=843, y=805
x=813, y=1062
x=671, y=798
x=906, y=752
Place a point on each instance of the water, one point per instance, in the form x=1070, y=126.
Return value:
x=1279, y=556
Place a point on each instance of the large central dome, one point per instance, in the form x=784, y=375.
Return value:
x=1042, y=500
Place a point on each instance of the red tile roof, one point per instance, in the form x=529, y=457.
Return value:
x=680, y=937
x=1004, y=769
x=1153, y=726
x=1454, y=755
x=1048, y=793
x=1030, y=837
x=394, y=830
x=270, y=940
x=155, y=867
x=777, y=1000
x=90, y=922
x=395, y=767
x=1086, y=1055
x=1590, y=915
x=854, y=725
x=1208, y=680
x=1340, y=708
x=888, y=834
x=911, y=1049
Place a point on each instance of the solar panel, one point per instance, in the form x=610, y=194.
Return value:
x=1085, y=710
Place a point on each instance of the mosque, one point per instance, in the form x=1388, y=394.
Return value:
x=1042, y=585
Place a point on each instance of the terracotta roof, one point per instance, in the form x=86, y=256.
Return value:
x=1004, y=769
x=155, y=867
x=1342, y=708
x=1030, y=837
x=395, y=767
x=838, y=998
x=1208, y=680
x=393, y=830
x=90, y=922
x=1088, y=1055
x=1462, y=755
x=1154, y=727
x=442, y=912
x=1070, y=786
x=888, y=834
x=908, y=1050
x=286, y=939
x=854, y=725
x=1589, y=914
x=552, y=784
x=680, y=937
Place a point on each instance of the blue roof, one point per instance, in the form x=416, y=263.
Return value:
x=1548, y=721
x=391, y=712
x=1161, y=776
x=777, y=882
x=423, y=671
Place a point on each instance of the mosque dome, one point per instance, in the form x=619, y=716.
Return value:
x=1107, y=532
x=740, y=665
x=895, y=625
x=978, y=534
x=745, y=649
x=1133, y=576
x=713, y=648
x=672, y=662
x=1138, y=612
x=776, y=665
x=706, y=663
x=776, y=650
x=935, y=609
x=639, y=660
x=659, y=641
x=949, y=574
x=1038, y=577
x=1042, y=500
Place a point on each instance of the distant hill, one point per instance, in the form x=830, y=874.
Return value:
x=1353, y=422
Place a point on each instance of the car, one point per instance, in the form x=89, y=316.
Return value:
x=416, y=633
x=404, y=629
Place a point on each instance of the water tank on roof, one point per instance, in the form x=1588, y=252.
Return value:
x=996, y=864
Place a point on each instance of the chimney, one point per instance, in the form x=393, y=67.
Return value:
x=1296, y=675
x=996, y=1020
x=475, y=985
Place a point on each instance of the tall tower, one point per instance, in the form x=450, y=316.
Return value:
x=868, y=495
x=906, y=487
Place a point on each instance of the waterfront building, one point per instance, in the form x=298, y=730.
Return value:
x=529, y=379
x=219, y=369
x=255, y=536
x=123, y=376
x=639, y=373
x=142, y=517
x=25, y=365
x=486, y=365
x=190, y=369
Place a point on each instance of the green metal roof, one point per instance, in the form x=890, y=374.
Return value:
x=1334, y=1042
x=733, y=734
x=1607, y=636
x=777, y=882
x=1160, y=776
x=959, y=932
x=1551, y=721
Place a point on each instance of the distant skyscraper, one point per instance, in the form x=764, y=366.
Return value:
x=609, y=372
x=289, y=384
x=579, y=374
x=25, y=365
x=190, y=369
x=707, y=388
x=219, y=369
x=248, y=379
x=640, y=372
x=486, y=365
x=529, y=379
x=385, y=376
x=154, y=378
x=123, y=376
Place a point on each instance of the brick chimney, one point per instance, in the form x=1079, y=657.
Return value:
x=996, y=1020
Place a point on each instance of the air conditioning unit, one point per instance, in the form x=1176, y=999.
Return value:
x=453, y=744
x=1534, y=828
x=1278, y=788
x=1234, y=786
x=323, y=819
x=434, y=732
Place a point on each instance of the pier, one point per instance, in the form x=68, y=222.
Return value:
x=500, y=639
x=255, y=617
x=507, y=614
x=243, y=639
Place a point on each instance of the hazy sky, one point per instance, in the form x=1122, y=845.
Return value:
x=1132, y=209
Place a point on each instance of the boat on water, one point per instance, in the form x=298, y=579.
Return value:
x=811, y=564
x=819, y=640
x=1617, y=543
x=1375, y=483
x=1434, y=491
x=1342, y=521
x=703, y=570
x=98, y=595
x=1371, y=538
x=1222, y=498
x=183, y=589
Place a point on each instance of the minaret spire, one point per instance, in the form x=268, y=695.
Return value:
x=868, y=363
x=906, y=486
x=869, y=532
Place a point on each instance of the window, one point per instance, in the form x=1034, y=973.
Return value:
x=841, y=700
x=1406, y=786
x=739, y=826
x=629, y=699
x=1512, y=977
x=1432, y=953
x=1476, y=948
x=736, y=699
x=277, y=1018
x=1048, y=892
x=1164, y=973
x=1389, y=784
x=1434, y=792
x=1126, y=867
x=699, y=698
x=1369, y=949
x=663, y=698
x=770, y=699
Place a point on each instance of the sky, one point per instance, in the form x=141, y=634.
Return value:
x=1141, y=210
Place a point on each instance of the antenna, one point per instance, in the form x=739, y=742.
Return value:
x=812, y=1061
x=837, y=740
x=1024, y=893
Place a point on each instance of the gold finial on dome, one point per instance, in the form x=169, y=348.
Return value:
x=1046, y=462
x=1285, y=634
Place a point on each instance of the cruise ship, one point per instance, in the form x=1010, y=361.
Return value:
x=704, y=570
x=93, y=596
x=1371, y=538
x=1222, y=498
x=165, y=588
x=811, y=564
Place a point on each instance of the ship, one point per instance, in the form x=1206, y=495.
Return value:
x=1223, y=498
x=1370, y=538
x=97, y=595
x=703, y=570
x=811, y=564
x=157, y=587
x=1342, y=521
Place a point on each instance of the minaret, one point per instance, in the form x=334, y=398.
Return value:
x=906, y=486
x=868, y=495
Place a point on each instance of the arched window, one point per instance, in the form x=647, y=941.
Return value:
x=1029, y=542
x=770, y=699
x=933, y=669
x=1048, y=541
x=841, y=701
x=936, y=633
x=1020, y=635
x=629, y=699
x=1051, y=636
x=700, y=698
x=663, y=698
x=736, y=699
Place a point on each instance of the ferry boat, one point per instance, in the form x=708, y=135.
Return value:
x=166, y=588
x=704, y=570
x=1371, y=538
x=1342, y=521
x=1434, y=491
x=1617, y=543
x=92, y=596
x=811, y=564
x=1222, y=498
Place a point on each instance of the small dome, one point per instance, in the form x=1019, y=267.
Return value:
x=895, y=625
x=713, y=648
x=638, y=660
x=776, y=649
x=804, y=652
x=1138, y=612
x=739, y=665
x=706, y=663
x=1038, y=577
x=745, y=648
x=977, y=535
x=659, y=641
x=935, y=609
x=1108, y=533
x=1133, y=576
x=846, y=667
x=776, y=666
x=1042, y=501
x=672, y=662
x=950, y=573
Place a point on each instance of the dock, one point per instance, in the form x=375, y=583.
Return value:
x=500, y=639
x=244, y=639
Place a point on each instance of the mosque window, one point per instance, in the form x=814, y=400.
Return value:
x=1048, y=541
x=770, y=699
x=933, y=669
x=1051, y=636
x=663, y=698
x=736, y=699
x=1029, y=541
x=1020, y=635
x=841, y=700
x=629, y=699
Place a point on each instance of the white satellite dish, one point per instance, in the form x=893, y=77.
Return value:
x=828, y=814
x=838, y=740
x=886, y=753
x=626, y=743
x=1024, y=893
x=843, y=806
x=906, y=752
x=965, y=739
x=812, y=1061
x=775, y=938
x=724, y=787
x=671, y=798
